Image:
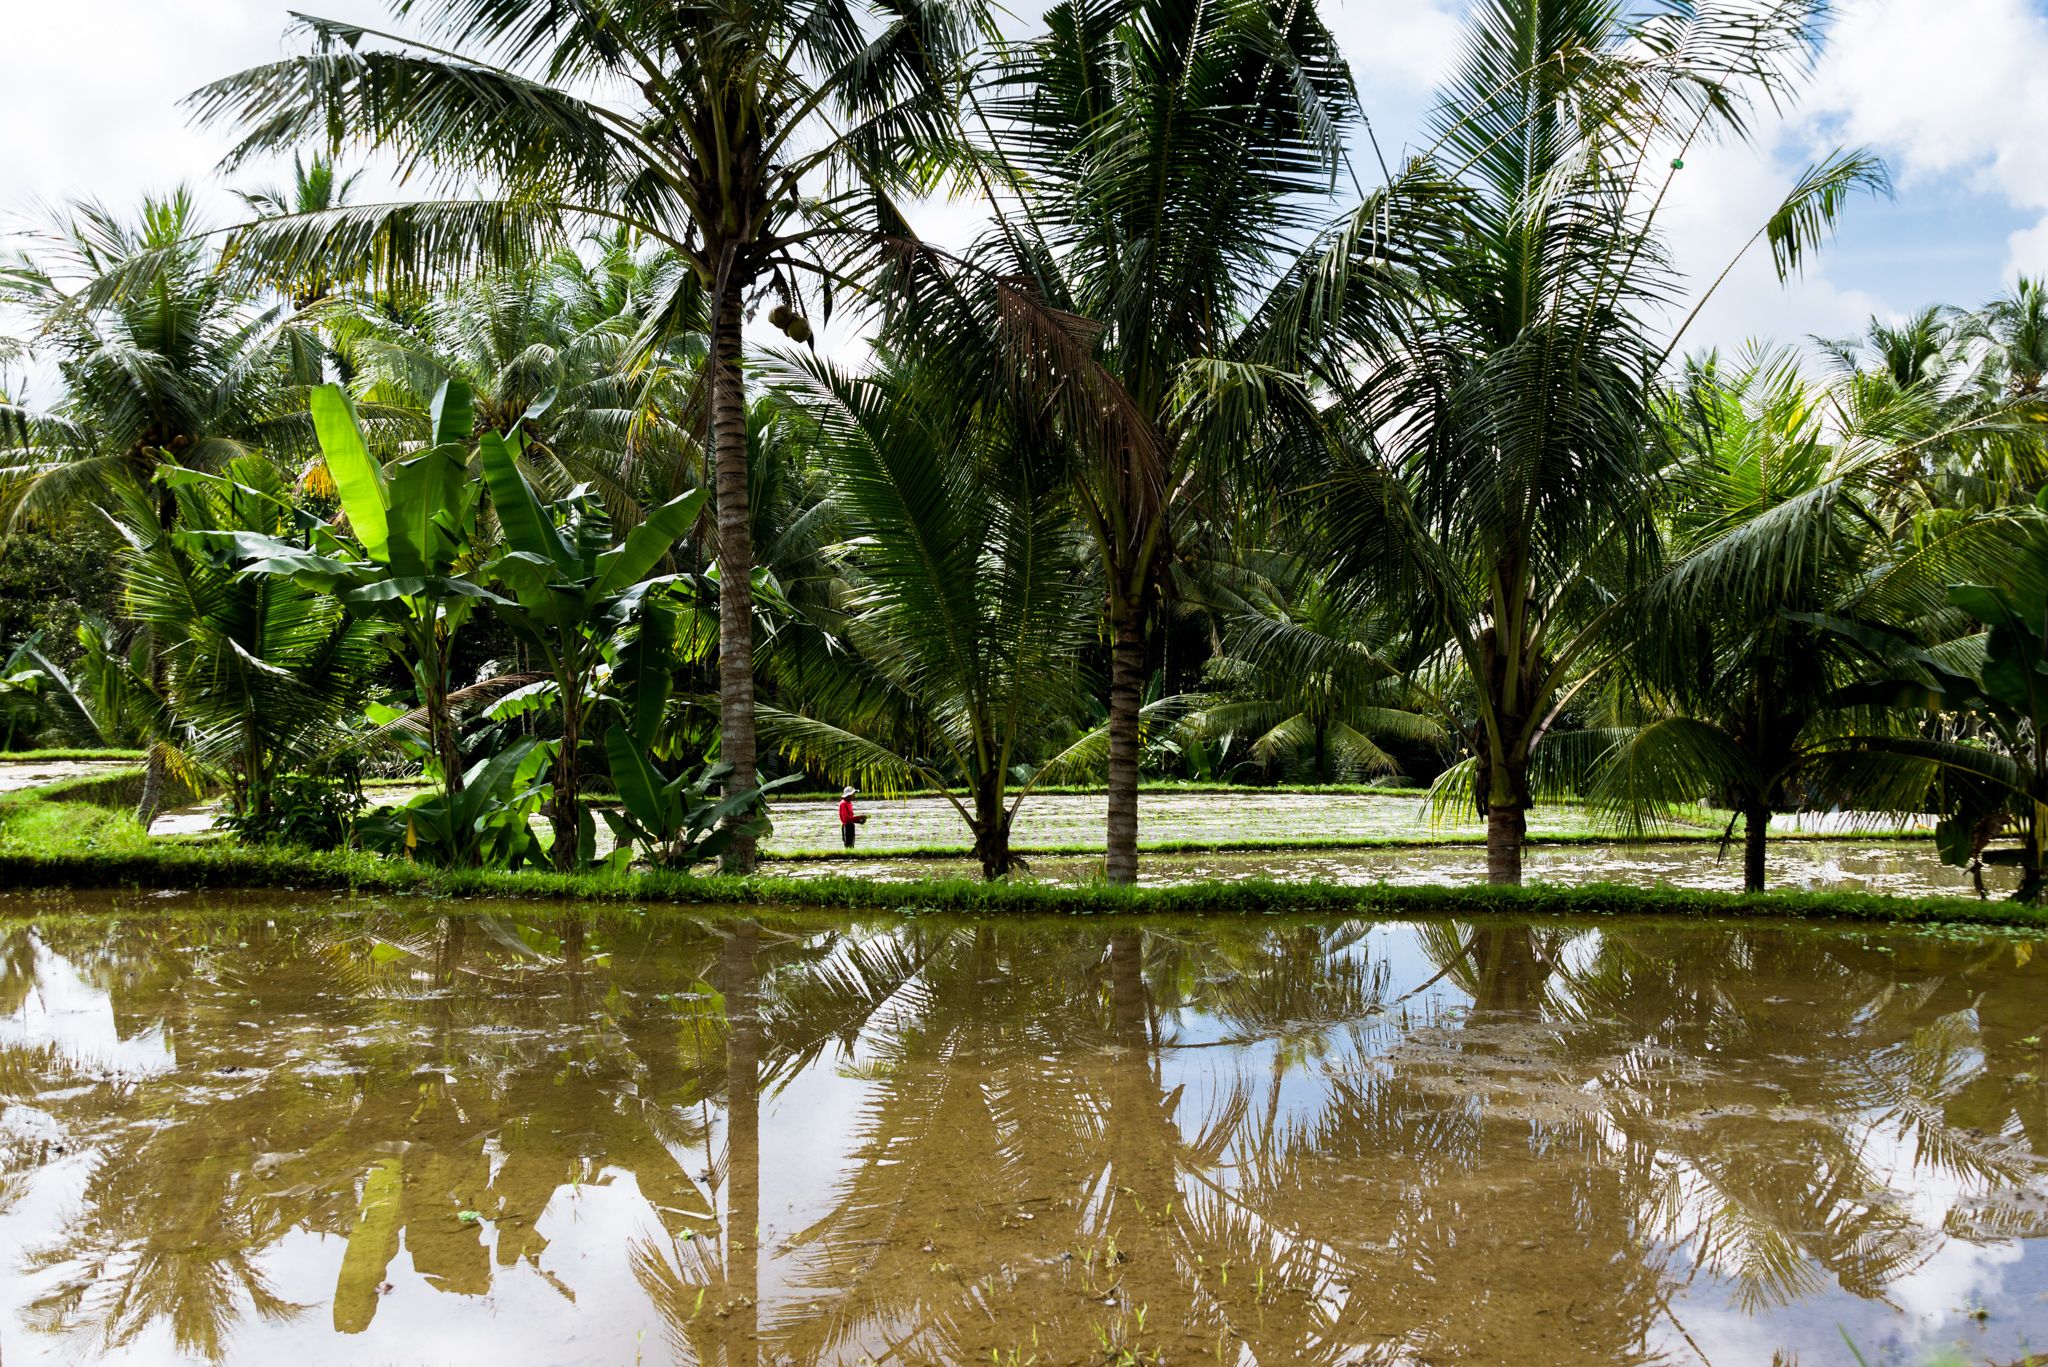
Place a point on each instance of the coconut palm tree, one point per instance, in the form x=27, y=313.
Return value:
x=260, y=674
x=1496, y=460
x=965, y=601
x=1991, y=749
x=1742, y=692
x=1314, y=676
x=2016, y=324
x=1936, y=386
x=1791, y=651
x=548, y=349
x=163, y=358
x=743, y=136
x=317, y=185
x=1157, y=169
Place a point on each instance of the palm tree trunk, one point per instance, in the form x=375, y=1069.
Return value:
x=155, y=777
x=991, y=828
x=1507, y=972
x=1126, y=692
x=735, y=562
x=1756, y=827
x=1507, y=827
x=156, y=772
x=441, y=724
x=256, y=784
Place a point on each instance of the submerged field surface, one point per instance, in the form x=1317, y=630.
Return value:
x=264, y=1129
x=1896, y=868
x=913, y=837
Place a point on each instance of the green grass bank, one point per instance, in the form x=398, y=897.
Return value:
x=70, y=845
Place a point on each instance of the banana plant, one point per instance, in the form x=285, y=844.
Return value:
x=572, y=588
x=683, y=820
x=21, y=689
x=486, y=820
x=2004, y=765
x=408, y=554
x=1985, y=757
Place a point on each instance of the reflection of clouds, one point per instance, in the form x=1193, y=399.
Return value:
x=809, y=1127
x=65, y=1010
x=1931, y=1316
x=37, y=1207
x=1961, y=1274
x=1326, y=1100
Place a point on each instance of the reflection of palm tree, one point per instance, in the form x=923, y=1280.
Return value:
x=1964, y=1067
x=978, y=1109
x=17, y=968
x=1500, y=967
x=1039, y=1165
x=524, y=1093
x=1767, y=1166
x=1448, y=1122
x=1018, y=1142
x=743, y=1140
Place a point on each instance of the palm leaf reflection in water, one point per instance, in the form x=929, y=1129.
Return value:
x=388, y=1133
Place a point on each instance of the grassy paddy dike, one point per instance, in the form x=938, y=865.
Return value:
x=46, y=841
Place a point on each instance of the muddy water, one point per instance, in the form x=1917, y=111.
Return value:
x=1075, y=819
x=18, y=774
x=1900, y=868
x=361, y=1132
x=1070, y=819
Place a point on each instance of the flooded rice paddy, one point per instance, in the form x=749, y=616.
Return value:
x=1061, y=820
x=346, y=1131
x=1068, y=820
x=1899, y=868
x=1813, y=852
x=16, y=775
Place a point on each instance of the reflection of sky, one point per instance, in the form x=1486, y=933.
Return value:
x=1925, y=1311
x=807, y=1130
x=581, y=1303
x=65, y=1010
x=1932, y=1317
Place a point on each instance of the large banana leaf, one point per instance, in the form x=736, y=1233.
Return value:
x=427, y=494
x=631, y=560
x=528, y=528
x=454, y=413
x=358, y=478
x=642, y=789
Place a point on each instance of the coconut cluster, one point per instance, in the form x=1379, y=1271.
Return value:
x=793, y=324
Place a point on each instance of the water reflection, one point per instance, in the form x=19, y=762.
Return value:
x=385, y=1133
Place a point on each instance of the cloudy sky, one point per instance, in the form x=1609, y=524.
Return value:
x=1953, y=93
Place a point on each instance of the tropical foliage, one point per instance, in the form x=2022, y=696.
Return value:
x=1206, y=455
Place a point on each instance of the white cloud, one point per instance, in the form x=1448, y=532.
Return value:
x=94, y=89
x=1956, y=89
x=1953, y=95
x=1716, y=204
x=1396, y=47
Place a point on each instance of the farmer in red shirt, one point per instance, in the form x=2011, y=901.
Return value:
x=848, y=822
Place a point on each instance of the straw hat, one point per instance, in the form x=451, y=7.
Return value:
x=849, y=792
